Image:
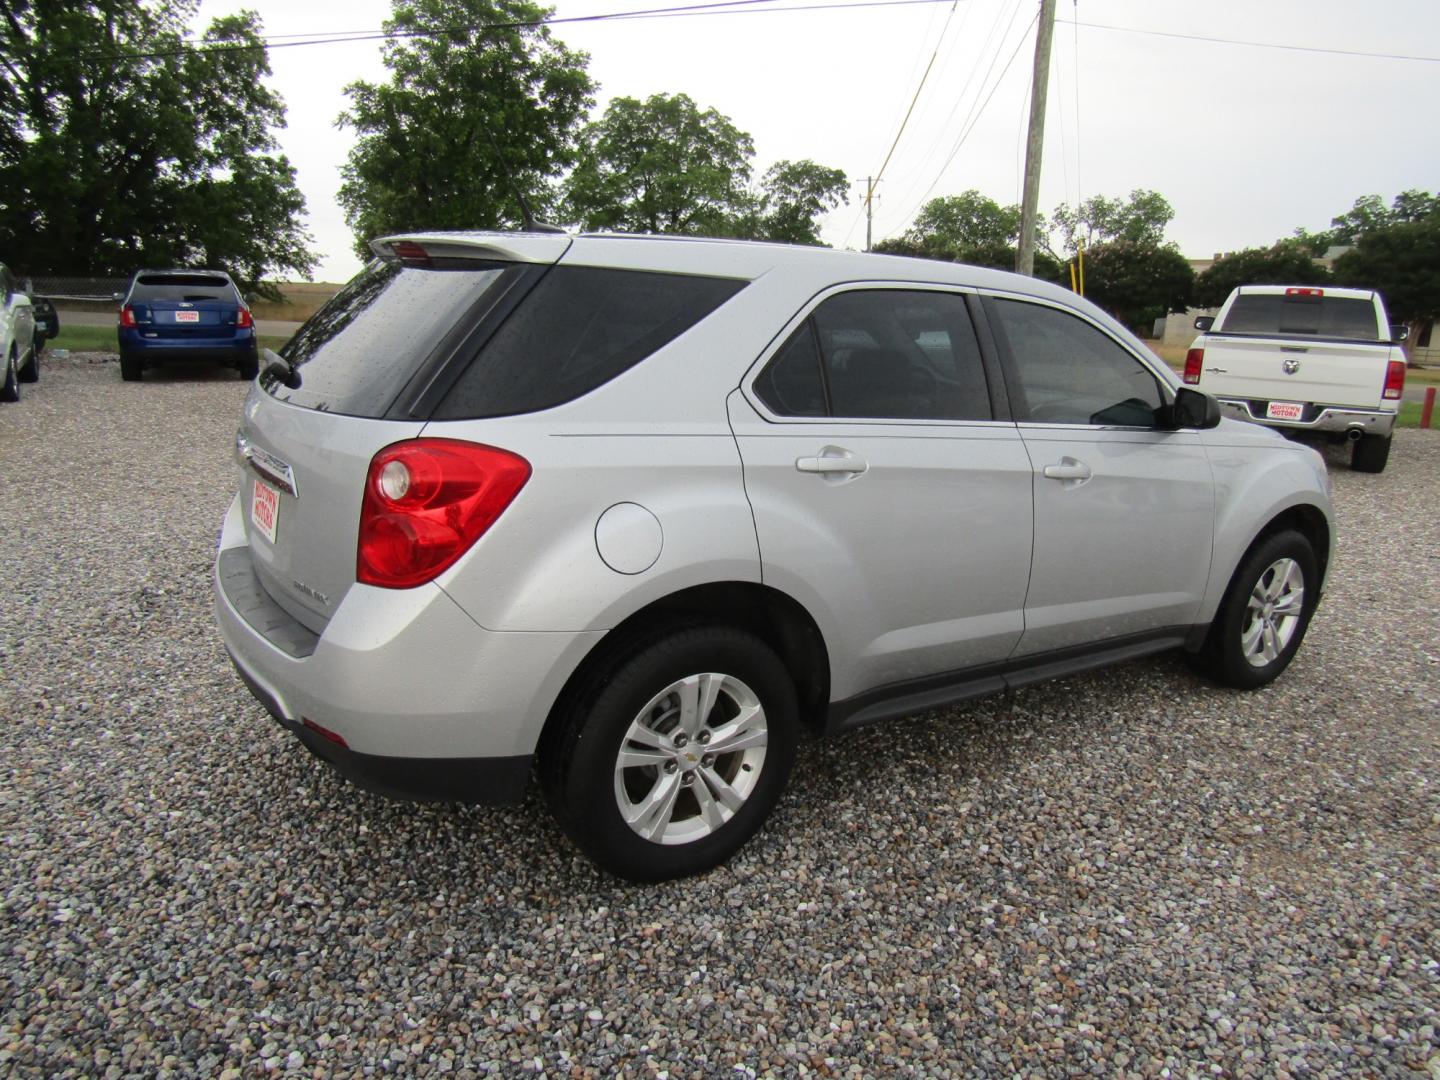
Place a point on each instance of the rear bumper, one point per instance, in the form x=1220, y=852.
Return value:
x=241, y=345
x=1320, y=418
x=493, y=780
x=429, y=705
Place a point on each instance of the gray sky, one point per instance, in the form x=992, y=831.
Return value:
x=1246, y=143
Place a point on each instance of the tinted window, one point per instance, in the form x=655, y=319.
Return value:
x=182, y=287
x=790, y=384
x=898, y=354
x=1322, y=316
x=357, y=352
x=1071, y=373
x=578, y=329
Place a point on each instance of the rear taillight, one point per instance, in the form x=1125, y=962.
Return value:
x=244, y=320
x=1394, y=380
x=127, y=316
x=1193, y=359
x=426, y=501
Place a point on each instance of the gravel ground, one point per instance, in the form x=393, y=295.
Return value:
x=1132, y=873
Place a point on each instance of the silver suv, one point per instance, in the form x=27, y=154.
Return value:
x=636, y=513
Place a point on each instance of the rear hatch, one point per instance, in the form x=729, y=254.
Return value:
x=362, y=362
x=184, y=306
x=1306, y=347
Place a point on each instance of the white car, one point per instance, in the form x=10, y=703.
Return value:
x=640, y=511
x=18, y=349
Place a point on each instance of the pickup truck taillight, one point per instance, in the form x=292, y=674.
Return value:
x=1394, y=380
x=1193, y=359
x=426, y=502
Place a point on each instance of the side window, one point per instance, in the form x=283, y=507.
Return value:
x=790, y=384
x=897, y=354
x=1071, y=373
x=580, y=328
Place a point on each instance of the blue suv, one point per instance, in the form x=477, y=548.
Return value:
x=185, y=315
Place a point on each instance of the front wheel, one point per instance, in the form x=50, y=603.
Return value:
x=10, y=385
x=31, y=371
x=678, y=758
x=1264, y=615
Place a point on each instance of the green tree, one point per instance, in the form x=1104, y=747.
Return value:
x=969, y=228
x=479, y=96
x=1139, y=220
x=123, y=145
x=1402, y=261
x=793, y=197
x=1138, y=283
x=1287, y=262
x=662, y=165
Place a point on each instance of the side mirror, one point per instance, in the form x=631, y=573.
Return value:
x=1399, y=332
x=1204, y=322
x=117, y=297
x=1193, y=409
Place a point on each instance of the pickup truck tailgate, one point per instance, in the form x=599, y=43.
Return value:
x=1326, y=373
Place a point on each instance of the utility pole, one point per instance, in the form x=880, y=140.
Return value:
x=870, y=183
x=1034, y=145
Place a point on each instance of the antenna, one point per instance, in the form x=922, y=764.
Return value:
x=528, y=219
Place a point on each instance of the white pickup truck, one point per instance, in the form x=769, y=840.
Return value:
x=1305, y=359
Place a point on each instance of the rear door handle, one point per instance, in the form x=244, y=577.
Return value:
x=1068, y=469
x=833, y=461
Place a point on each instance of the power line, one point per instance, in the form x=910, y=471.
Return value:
x=880, y=175
x=1254, y=44
x=721, y=7
x=976, y=114
x=970, y=77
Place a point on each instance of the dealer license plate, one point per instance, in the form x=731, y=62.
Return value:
x=1284, y=410
x=187, y=316
x=265, y=509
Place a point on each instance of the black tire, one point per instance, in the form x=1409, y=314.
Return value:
x=31, y=371
x=579, y=761
x=1370, y=453
x=130, y=367
x=1223, y=656
x=249, y=368
x=10, y=388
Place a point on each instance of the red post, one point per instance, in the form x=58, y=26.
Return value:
x=1428, y=409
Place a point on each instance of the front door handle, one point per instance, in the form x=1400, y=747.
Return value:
x=1067, y=468
x=833, y=461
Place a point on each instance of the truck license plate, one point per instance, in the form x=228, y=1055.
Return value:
x=265, y=509
x=1284, y=410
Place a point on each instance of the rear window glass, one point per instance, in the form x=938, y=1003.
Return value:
x=182, y=287
x=1320, y=316
x=355, y=355
x=578, y=329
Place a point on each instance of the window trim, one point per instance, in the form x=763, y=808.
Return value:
x=1161, y=373
x=989, y=360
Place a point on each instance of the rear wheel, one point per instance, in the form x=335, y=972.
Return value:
x=1370, y=453
x=130, y=367
x=678, y=757
x=1264, y=615
x=10, y=387
x=249, y=368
